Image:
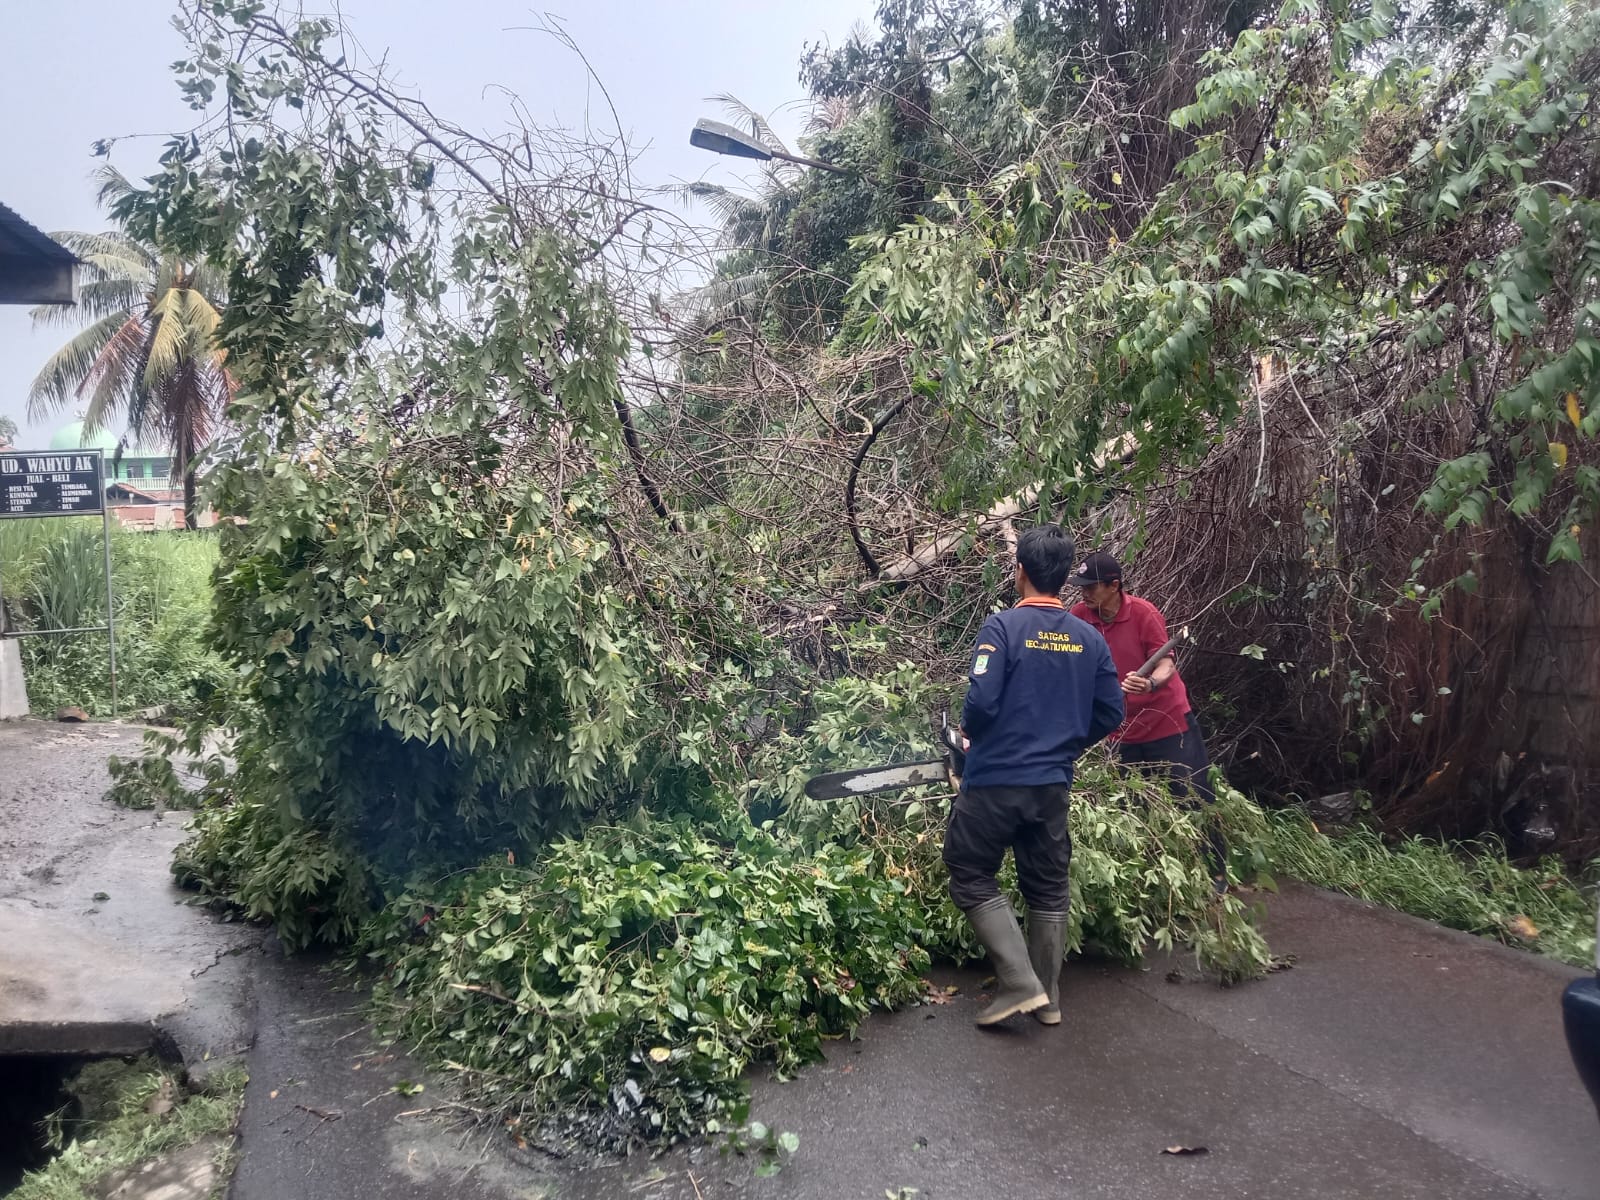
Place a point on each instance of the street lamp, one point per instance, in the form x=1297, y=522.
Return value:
x=720, y=138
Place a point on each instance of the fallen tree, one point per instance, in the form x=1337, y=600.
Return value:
x=496, y=720
x=1345, y=310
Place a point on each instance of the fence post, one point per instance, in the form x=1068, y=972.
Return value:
x=13, y=686
x=111, y=624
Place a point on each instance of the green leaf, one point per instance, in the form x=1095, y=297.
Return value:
x=1565, y=547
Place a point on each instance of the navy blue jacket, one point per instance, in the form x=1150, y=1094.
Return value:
x=1042, y=690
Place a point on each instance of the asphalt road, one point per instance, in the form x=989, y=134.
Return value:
x=1394, y=1060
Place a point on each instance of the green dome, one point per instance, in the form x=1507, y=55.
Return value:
x=72, y=437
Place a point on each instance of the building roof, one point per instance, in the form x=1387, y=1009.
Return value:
x=33, y=268
x=127, y=489
x=18, y=238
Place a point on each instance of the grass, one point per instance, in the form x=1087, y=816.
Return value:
x=53, y=576
x=116, y=1132
x=1472, y=887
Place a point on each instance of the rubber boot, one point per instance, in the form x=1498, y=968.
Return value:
x=1016, y=987
x=1047, y=937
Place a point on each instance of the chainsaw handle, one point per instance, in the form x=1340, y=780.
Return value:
x=951, y=737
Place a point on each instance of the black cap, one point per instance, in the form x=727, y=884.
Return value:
x=1099, y=567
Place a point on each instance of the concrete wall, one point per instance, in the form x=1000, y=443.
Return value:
x=13, y=688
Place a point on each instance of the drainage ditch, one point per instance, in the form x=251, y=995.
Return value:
x=36, y=1103
x=47, y=1098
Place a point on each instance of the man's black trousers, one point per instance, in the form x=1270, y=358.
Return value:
x=1183, y=759
x=1031, y=822
x=1183, y=756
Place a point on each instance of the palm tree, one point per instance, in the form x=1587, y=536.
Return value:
x=146, y=349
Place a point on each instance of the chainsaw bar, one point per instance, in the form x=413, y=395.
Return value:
x=865, y=780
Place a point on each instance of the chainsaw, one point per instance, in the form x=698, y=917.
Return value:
x=863, y=781
x=948, y=768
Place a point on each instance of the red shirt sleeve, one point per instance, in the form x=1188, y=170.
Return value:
x=1155, y=631
x=1151, y=631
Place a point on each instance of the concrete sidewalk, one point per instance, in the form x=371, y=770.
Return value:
x=100, y=954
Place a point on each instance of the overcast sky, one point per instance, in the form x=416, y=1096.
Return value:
x=81, y=70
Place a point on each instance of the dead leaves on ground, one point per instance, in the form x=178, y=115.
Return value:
x=1523, y=929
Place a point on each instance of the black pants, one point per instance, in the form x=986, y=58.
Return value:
x=1182, y=758
x=1032, y=822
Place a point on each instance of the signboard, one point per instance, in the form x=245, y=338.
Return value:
x=51, y=483
x=60, y=483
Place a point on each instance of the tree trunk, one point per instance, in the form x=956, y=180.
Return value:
x=1549, y=735
x=190, y=516
x=1523, y=760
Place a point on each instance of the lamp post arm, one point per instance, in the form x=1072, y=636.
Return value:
x=811, y=162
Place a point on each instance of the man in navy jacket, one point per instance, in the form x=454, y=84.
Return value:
x=1042, y=689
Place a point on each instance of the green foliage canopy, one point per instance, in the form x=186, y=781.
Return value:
x=449, y=641
x=1350, y=205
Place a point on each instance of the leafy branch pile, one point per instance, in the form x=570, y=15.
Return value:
x=1138, y=881
x=619, y=987
x=149, y=781
x=630, y=978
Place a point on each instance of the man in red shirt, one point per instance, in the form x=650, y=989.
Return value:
x=1159, y=733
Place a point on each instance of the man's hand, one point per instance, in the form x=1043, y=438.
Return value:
x=1135, y=684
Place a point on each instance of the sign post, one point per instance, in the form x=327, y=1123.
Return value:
x=61, y=483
